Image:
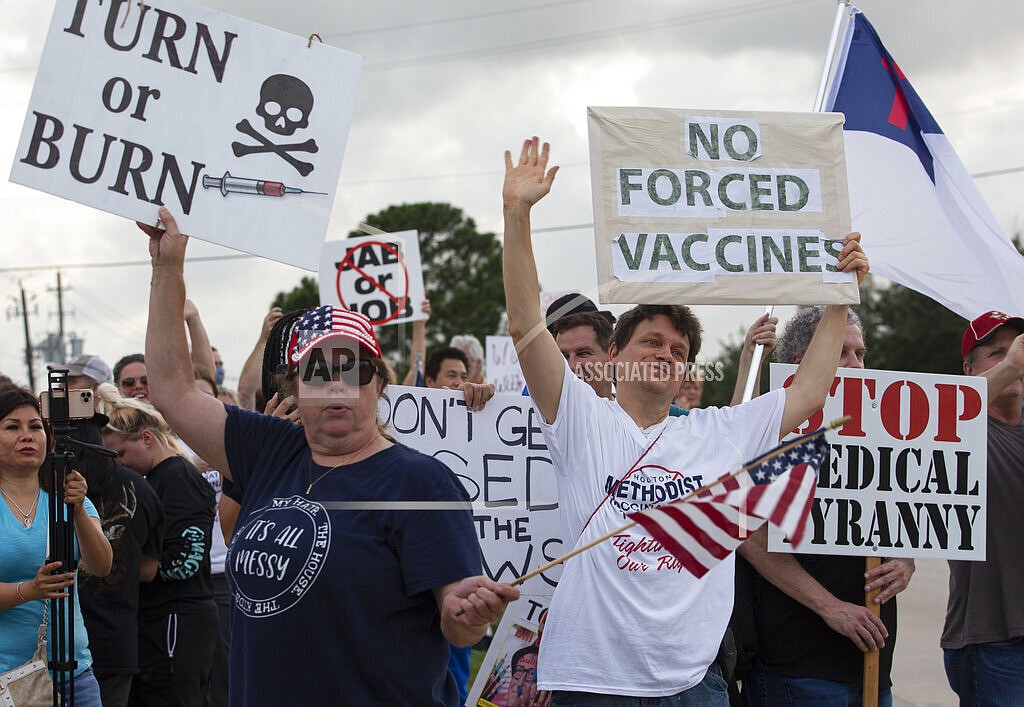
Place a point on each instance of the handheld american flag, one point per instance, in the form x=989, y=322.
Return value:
x=777, y=486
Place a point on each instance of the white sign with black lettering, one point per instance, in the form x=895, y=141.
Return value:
x=500, y=457
x=906, y=474
x=719, y=207
x=379, y=276
x=237, y=128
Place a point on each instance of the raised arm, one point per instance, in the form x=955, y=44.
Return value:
x=251, y=377
x=196, y=417
x=418, y=350
x=1010, y=369
x=202, y=352
x=762, y=332
x=526, y=182
x=817, y=369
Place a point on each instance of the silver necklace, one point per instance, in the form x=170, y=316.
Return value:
x=24, y=515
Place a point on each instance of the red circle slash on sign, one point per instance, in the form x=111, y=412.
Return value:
x=348, y=262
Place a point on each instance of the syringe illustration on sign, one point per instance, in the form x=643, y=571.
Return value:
x=259, y=187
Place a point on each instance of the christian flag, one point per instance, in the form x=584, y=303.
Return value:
x=923, y=221
x=778, y=487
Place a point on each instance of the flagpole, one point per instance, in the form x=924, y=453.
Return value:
x=746, y=467
x=838, y=25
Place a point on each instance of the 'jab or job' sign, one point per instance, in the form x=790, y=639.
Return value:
x=237, y=128
x=906, y=475
x=501, y=459
x=719, y=207
x=379, y=276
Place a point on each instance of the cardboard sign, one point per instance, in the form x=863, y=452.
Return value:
x=719, y=207
x=237, y=128
x=379, y=276
x=503, y=365
x=906, y=475
x=503, y=679
x=500, y=457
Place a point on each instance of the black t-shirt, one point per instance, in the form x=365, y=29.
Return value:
x=795, y=642
x=183, y=583
x=132, y=520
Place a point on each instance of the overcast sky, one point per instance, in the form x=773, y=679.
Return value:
x=449, y=85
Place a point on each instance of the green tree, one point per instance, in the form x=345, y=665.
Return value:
x=305, y=294
x=907, y=331
x=718, y=389
x=461, y=274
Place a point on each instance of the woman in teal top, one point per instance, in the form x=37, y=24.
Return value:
x=25, y=577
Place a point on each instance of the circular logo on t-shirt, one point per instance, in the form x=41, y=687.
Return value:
x=278, y=554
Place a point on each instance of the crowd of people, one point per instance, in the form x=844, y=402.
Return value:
x=273, y=545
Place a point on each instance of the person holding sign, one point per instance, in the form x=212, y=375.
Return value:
x=812, y=626
x=983, y=638
x=355, y=559
x=625, y=620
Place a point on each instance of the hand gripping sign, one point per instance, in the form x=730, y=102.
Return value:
x=378, y=276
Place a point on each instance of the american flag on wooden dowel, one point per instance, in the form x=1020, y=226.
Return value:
x=777, y=486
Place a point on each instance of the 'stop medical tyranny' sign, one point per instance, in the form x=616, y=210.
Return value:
x=237, y=128
x=719, y=207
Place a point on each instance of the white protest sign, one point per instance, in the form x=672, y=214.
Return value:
x=503, y=365
x=503, y=679
x=237, y=128
x=906, y=475
x=500, y=457
x=719, y=207
x=379, y=276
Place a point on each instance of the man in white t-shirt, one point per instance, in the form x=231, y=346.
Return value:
x=626, y=619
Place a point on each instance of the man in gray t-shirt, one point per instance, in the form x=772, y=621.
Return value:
x=983, y=639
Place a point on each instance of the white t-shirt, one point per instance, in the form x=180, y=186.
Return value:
x=626, y=618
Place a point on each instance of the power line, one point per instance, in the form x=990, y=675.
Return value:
x=449, y=20
x=583, y=36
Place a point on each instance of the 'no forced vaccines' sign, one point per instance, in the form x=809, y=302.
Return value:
x=906, y=475
x=719, y=207
x=237, y=128
x=379, y=276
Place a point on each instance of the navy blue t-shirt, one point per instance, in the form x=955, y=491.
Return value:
x=332, y=598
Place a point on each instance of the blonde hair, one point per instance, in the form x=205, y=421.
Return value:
x=130, y=416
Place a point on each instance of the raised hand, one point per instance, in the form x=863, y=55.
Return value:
x=528, y=180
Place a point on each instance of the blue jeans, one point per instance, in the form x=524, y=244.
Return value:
x=709, y=692
x=87, y=690
x=987, y=673
x=764, y=689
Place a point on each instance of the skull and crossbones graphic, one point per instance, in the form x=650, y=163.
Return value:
x=285, y=105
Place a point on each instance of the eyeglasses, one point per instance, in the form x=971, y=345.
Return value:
x=130, y=381
x=531, y=673
x=316, y=372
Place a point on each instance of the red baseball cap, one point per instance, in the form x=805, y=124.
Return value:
x=328, y=321
x=984, y=326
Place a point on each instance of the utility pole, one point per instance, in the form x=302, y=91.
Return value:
x=28, y=341
x=61, y=352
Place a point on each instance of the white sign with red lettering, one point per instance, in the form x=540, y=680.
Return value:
x=906, y=475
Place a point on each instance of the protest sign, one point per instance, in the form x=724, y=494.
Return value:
x=507, y=674
x=503, y=365
x=237, y=128
x=379, y=276
x=906, y=474
x=719, y=207
x=500, y=457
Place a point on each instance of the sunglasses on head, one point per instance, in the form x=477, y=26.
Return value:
x=130, y=381
x=317, y=371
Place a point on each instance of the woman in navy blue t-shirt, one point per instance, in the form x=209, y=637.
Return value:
x=354, y=560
